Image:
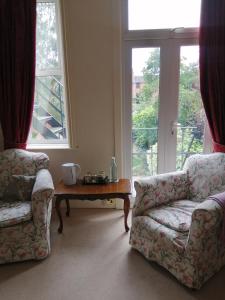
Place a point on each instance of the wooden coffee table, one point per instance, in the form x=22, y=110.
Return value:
x=79, y=191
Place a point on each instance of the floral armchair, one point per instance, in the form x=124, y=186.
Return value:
x=24, y=222
x=175, y=225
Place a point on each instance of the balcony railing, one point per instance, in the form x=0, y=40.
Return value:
x=48, y=117
x=144, y=159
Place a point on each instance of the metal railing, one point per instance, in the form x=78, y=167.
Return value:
x=49, y=106
x=144, y=161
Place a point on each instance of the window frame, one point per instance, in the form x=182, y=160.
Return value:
x=176, y=37
x=50, y=143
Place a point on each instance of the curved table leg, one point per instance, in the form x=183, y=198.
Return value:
x=57, y=206
x=67, y=207
x=126, y=209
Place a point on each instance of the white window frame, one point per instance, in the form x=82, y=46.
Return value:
x=63, y=143
x=170, y=41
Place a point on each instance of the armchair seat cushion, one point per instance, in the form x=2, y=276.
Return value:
x=176, y=215
x=156, y=241
x=14, y=212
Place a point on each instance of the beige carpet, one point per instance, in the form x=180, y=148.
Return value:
x=93, y=260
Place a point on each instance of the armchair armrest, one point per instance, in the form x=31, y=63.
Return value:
x=205, y=232
x=160, y=189
x=42, y=194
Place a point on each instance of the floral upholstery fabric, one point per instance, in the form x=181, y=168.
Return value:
x=206, y=173
x=160, y=243
x=20, y=162
x=160, y=189
x=19, y=188
x=175, y=215
x=14, y=212
x=27, y=233
x=196, y=251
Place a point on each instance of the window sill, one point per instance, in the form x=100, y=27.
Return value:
x=48, y=146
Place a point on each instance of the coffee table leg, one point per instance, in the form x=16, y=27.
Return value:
x=57, y=206
x=67, y=207
x=126, y=208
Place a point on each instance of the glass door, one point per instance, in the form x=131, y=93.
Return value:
x=163, y=112
x=166, y=112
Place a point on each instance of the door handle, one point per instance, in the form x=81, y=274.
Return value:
x=174, y=125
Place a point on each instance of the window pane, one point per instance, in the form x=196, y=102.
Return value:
x=47, y=56
x=145, y=100
x=158, y=14
x=191, y=114
x=49, y=120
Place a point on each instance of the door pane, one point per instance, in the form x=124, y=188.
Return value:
x=191, y=116
x=159, y=14
x=145, y=103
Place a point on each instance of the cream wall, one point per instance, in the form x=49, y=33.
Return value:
x=93, y=78
x=89, y=52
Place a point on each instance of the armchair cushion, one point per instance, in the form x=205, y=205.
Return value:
x=175, y=215
x=19, y=188
x=206, y=173
x=160, y=189
x=156, y=241
x=14, y=212
x=16, y=161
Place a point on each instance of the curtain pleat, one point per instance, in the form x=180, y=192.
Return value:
x=212, y=68
x=17, y=69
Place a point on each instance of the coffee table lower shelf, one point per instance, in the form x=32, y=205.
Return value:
x=121, y=189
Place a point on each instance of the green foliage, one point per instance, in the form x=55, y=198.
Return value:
x=187, y=144
x=145, y=115
x=150, y=91
x=140, y=165
x=46, y=41
x=145, y=118
x=190, y=105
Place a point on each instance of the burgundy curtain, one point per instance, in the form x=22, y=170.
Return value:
x=212, y=68
x=17, y=69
